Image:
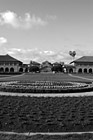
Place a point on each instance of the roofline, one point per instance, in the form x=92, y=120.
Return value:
x=13, y=58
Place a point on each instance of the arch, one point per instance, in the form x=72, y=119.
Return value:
x=21, y=70
x=70, y=70
x=26, y=70
x=12, y=69
x=1, y=69
x=90, y=70
x=6, y=69
x=85, y=70
x=80, y=70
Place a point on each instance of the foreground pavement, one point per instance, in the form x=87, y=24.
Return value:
x=46, y=133
x=48, y=95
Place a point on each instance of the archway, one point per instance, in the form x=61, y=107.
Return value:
x=26, y=70
x=80, y=70
x=21, y=70
x=85, y=70
x=70, y=70
x=11, y=70
x=7, y=70
x=1, y=69
x=90, y=70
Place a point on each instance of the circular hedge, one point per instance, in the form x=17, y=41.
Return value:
x=45, y=87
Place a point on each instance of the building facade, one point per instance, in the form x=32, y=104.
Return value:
x=68, y=68
x=46, y=67
x=9, y=64
x=84, y=64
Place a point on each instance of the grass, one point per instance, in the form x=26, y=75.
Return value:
x=59, y=77
x=90, y=76
x=48, y=77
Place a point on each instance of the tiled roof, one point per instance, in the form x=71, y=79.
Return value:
x=25, y=65
x=56, y=63
x=69, y=65
x=46, y=62
x=84, y=59
x=8, y=58
x=34, y=63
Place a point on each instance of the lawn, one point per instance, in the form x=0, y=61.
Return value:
x=47, y=77
x=46, y=83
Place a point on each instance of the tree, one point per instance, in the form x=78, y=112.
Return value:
x=72, y=53
x=57, y=68
x=34, y=69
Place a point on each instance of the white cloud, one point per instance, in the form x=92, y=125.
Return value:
x=26, y=55
x=11, y=18
x=53, y=17
x=3, y=40
x=49, y=52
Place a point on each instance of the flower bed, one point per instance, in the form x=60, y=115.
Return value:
x=47, y=137
x=58, y=114
x=44, y=87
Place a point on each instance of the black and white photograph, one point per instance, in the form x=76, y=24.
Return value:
x=46, y=69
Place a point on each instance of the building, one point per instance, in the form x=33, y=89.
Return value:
x=58, y=63
x=34, y=66
x=68, y=68
x=9, y=64
x=84, y=64
x=24, y=68
x=46, y=67
x=33, y=63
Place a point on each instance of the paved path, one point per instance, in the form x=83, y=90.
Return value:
x=46, y=133
x=80, y=77
x=48, y=95
x=12, y=76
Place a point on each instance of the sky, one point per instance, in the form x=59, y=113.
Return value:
x=41, y=30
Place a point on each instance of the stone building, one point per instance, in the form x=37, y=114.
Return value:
x=9, y=64
x=84, y=64
x=33, y=63
x=69, y=68
x=46, y=67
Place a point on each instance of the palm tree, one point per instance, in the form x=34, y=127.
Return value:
x=72, y=53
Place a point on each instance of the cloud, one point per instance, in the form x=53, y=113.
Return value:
x=49, y=53
x=11, y=18
x=26, y=55
x=38, y=55
x=53, y=17
x=3, y=40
